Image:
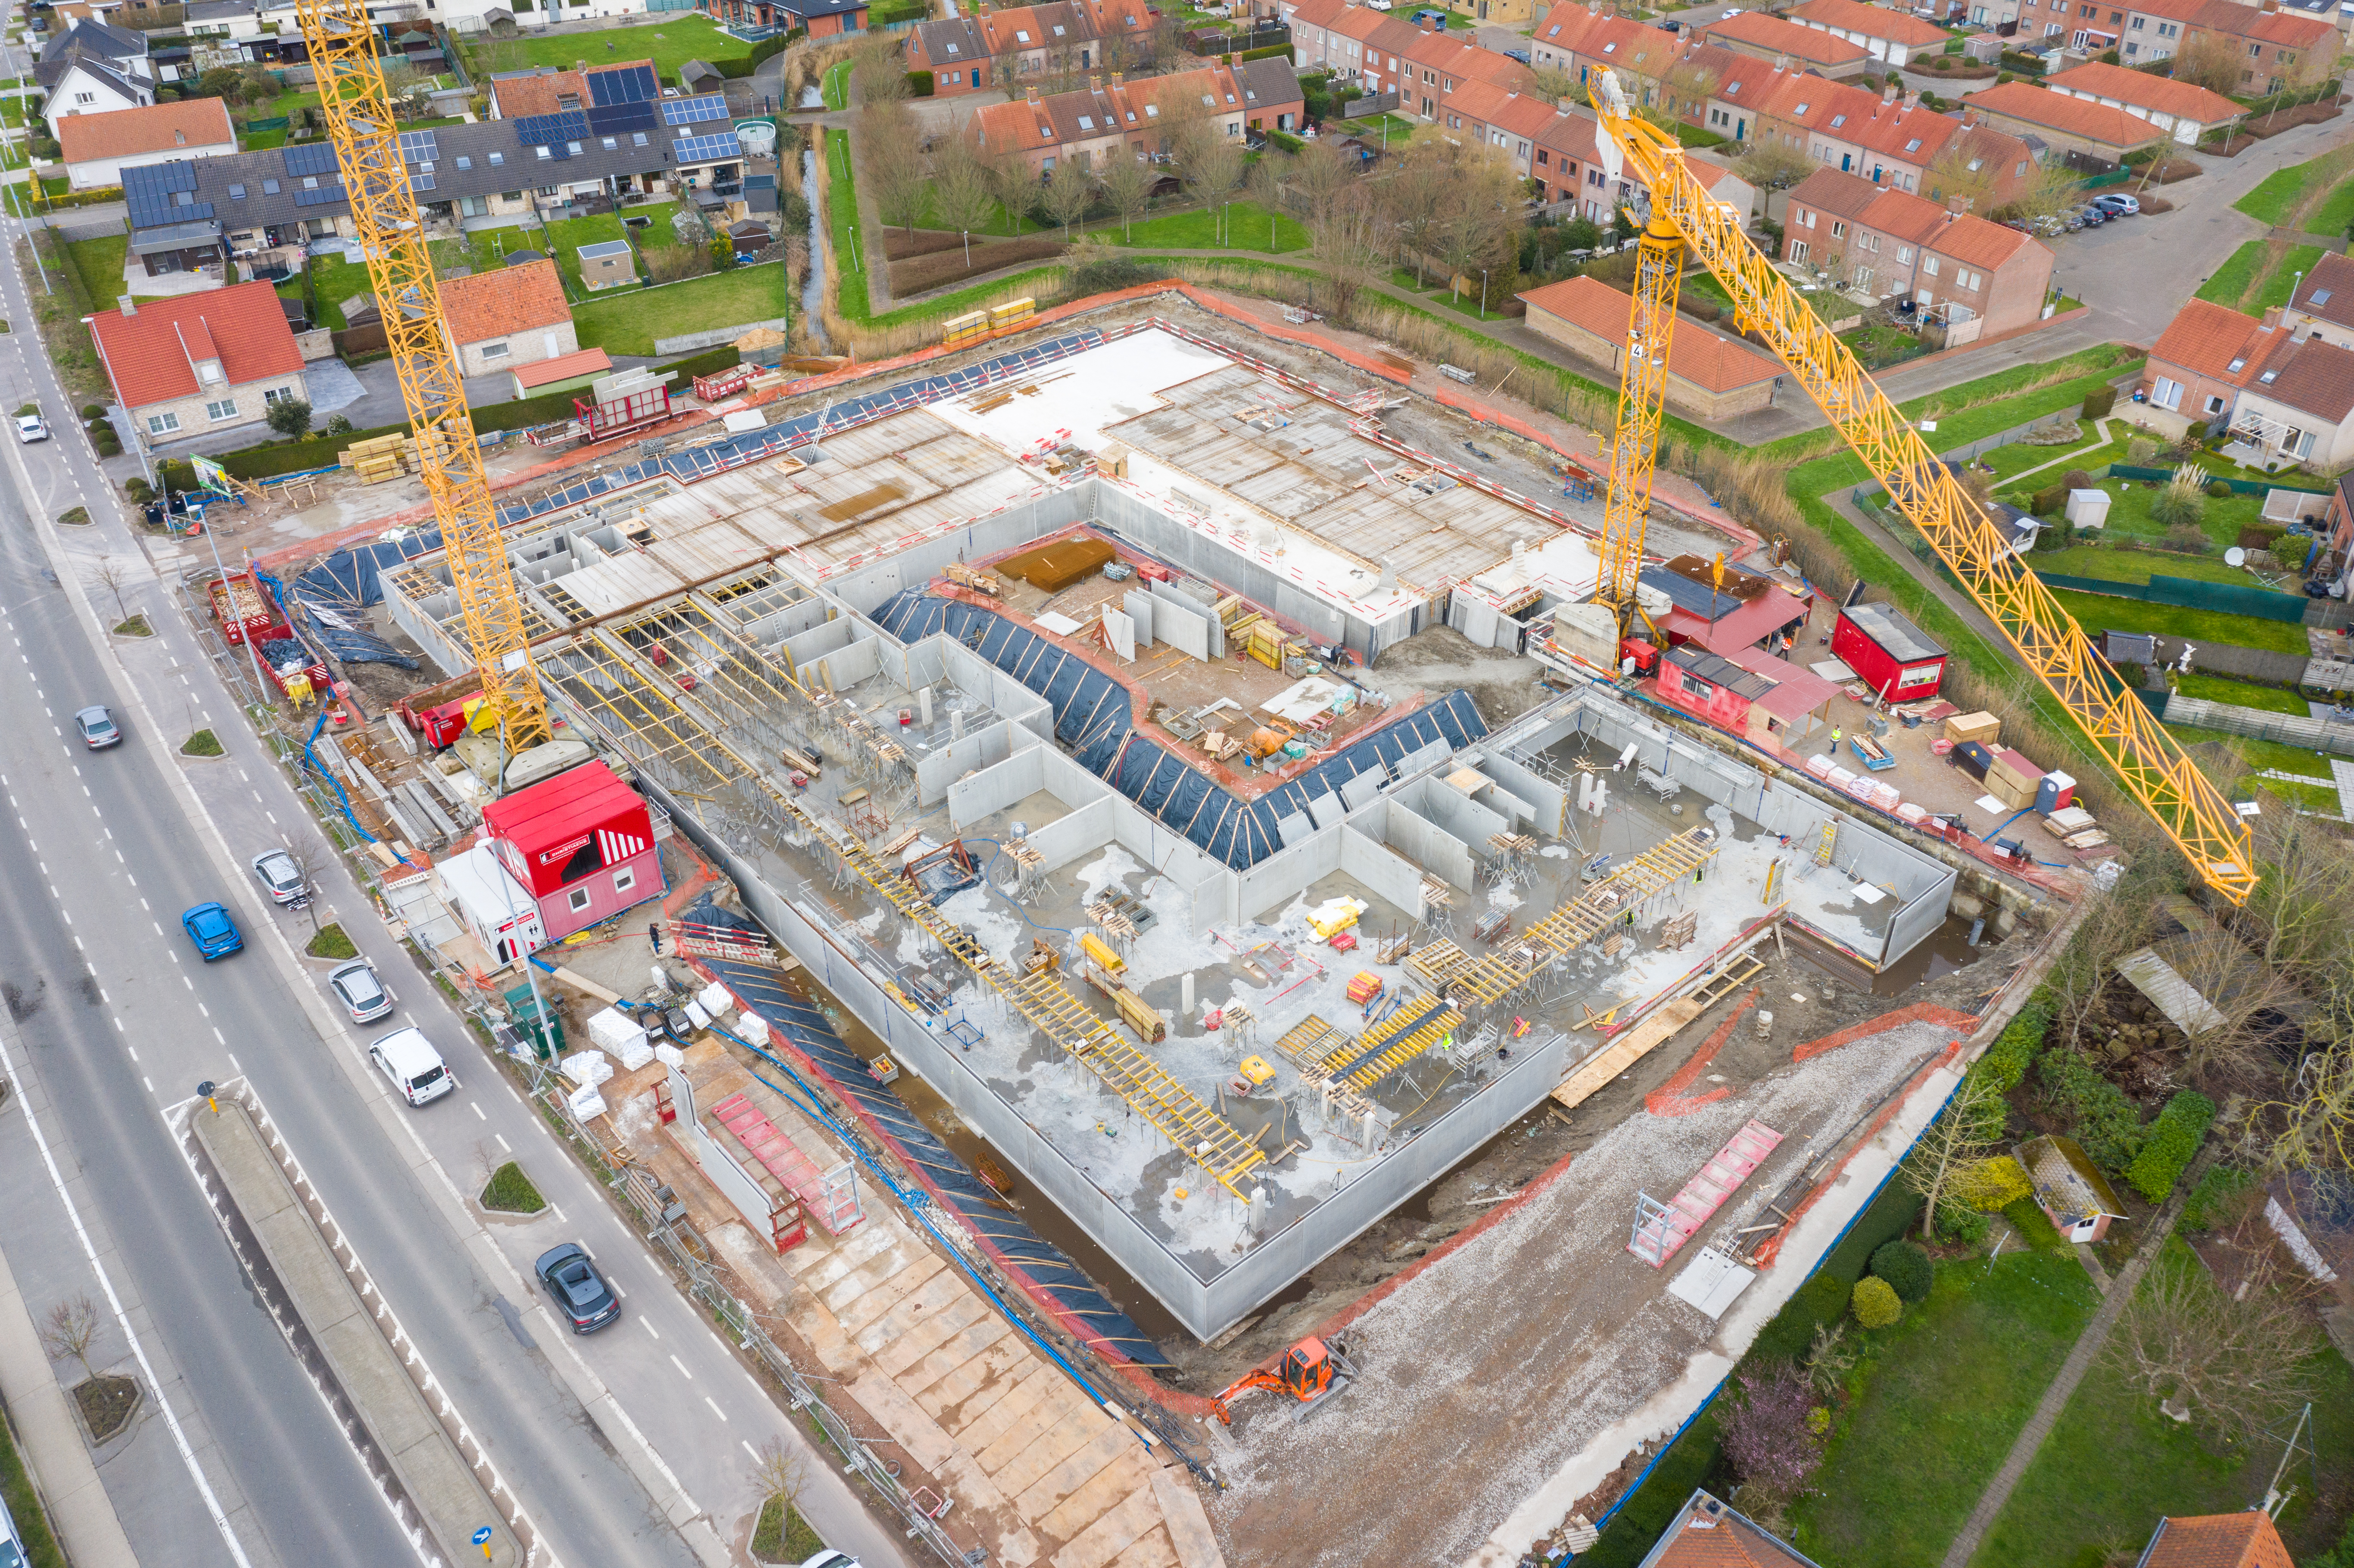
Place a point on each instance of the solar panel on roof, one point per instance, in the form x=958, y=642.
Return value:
x=319, y=196
x=628, y=84
x=422, y=180
x=612, y=120
x=416, y=147
x=310, y=158
x=694, y=110
x=704, y=149
x=153, y=193
x=540, y=130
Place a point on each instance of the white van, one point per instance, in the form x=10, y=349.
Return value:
x=416, y=1069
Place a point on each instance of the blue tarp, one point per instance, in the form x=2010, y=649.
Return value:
x=805, y=1025
x=1093, y=716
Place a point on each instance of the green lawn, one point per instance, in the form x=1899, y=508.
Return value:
x=2280, y=191
x=563, y=237
x=1001, y=222
x=100, y=263
x=2242, y=693
x=2017, y=458
x=836, y=86
x=627, y=321
x=2129, y=514
x=669, y=45
x=2077, y=1500
x=2269, y=202
x=2334, y=212
x=334, y=280
x=1247, y=226
x=2296, y=261
x=1372, y=128
x=2115, y=566
x=2232, y=279
x=2097, y=613
x=1942, y=1394
x=851, y=297
x=2259, y=756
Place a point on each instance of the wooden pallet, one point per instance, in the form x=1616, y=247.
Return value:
x=1663, y=1025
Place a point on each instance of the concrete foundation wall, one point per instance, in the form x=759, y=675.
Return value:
x=847, y=666
x=864, y=588
x=1548, y=803
x=1385, y=873
x=995, y=788
x=978, y=750
x=818, y=641
x=1456, y=813
x=977, y=677
x=1082, y=831
x=1122, y=511
x=1428, y=846
x=1277, y=880
x=1183, y=626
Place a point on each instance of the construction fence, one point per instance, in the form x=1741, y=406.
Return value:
x=2256, y=723
x=2190, y=593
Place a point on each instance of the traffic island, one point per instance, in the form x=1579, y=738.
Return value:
x=386, y=1387
x=204, y=743
x=106, y=1404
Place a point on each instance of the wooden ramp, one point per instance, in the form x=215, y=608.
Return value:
x=1630, y=1048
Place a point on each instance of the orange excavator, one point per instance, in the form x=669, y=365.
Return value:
x=1313, y=1372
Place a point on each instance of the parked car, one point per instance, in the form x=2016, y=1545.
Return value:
x=30, y=429
x=582, y=1294
x=2116, y=204
x=830, y=1558
x=2089, y=215
x=98, y=728
x=278, y=873
x=416, y=1069
x=210, y=929
x=363, y=995
x=1520, y=55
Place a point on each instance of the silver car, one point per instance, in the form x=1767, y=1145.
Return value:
x=278, y=873
x=363, y=995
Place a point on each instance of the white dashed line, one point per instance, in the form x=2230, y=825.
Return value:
x=503, y=1141
x=682, y=1369
x=650, y=1328
x=715, y=1405
x=477, y=1110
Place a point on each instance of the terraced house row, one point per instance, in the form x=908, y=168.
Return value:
x=1118, y=116
x=997, y=47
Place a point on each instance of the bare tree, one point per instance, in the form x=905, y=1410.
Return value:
x=875, y=74
x=1962, y=179
x=1317, y=180
x=1349, y=244
x=2209, y=60
x=1413, y=197
x=1127, y=182
x=2237, y=1360
x=1555, y=86
x=890, y=161
x=1772, y=165
x=964, y=193
x=781, y=1474
x=1966, y=1133
x=114, y=574
x=2311, y=1125
x=2050, y=191
x=1068, y=191
x=312, y=856
x=69, y=1332
x=1479, y=223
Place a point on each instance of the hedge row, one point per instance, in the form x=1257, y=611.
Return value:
x=2173, y=1141
x=2006, y=1061
x=2108, y=1123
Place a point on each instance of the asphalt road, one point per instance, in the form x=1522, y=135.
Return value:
x=120, y=1020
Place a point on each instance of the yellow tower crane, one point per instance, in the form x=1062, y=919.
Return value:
x=2135, y=746
x=376, y=180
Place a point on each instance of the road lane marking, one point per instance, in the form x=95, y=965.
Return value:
x=749, y=1450
x=233, y=1061
x=713, y=1403
x=477, y=1110
x=682, y=1369
x=503, y=1142
x=149, y=1081
x=203, y=1009
x=217, y=1035
x=186, y=982
x=650, y=1328
x=134, y=1052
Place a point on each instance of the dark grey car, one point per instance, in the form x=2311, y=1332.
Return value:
x=581, y=1295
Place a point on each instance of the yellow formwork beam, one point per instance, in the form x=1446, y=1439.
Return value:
x=2147, y=758
x=343, y=50
x=1433, y=1030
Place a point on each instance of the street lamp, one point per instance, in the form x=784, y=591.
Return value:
x=1483, y=293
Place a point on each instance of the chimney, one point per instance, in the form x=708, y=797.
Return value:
x=1888, y=94
x=2272, y=317
x=1781, y=62
x=1912, y=101
x=1969, y=116
x=1032, y=92
x=1095, y=82
x=126, y=304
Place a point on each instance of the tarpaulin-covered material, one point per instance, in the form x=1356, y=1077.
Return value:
x=353, y=576
x=1093, y=716
x=1050, y=1278
x=337, y=583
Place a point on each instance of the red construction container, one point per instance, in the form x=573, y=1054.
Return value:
x=243, y=606
x=602, y=421
x=1888, y=653
x=726, y=383
x=583, y=842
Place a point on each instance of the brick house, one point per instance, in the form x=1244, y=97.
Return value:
x=1706, y=1534
x=1894, y=245
x=2291, y=398
x=2183, y=110
x=1710, y=375
x=2246, y=1539
x=497, y=321
x=2280, y=49
x=2323, y=304
x=995, y=47
x=2066, y=122
x=97, y=148
x=199, y=362
x=1893, y=36
x=1105, y=119
x=1765, y=37
x=1578, y=42
x=1889, y=140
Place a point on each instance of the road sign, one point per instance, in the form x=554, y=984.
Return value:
x=483, y=1540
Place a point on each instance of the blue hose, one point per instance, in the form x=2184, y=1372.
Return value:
x=311, y=763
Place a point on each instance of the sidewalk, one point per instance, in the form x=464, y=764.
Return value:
x=54, y=1454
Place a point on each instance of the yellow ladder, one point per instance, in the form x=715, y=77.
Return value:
x=1823, y=850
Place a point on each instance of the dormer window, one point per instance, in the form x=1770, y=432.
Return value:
x=2267, y=376
x=1913, y=145
x=2236, y=365
x=1837, y=120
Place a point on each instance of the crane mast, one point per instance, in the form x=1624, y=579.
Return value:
x=1642, y=407
x=2145, y=757
x=392, y=238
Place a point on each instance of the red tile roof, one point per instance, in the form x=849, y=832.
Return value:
x=157, y=128
x=1872, y=21
x=2217, y=1541
x=2327, y=291
x=519, y=96
x=489, y=305
x=2206, y=339
x=1761, y=31
x=563, y=368
x=2315, y=376
x=2097, y=123
x=1696, y=355
x=1707, y=1534
x=151, y=355
x=2184, y=100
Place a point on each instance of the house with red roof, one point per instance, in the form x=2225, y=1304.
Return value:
x=2277, y=49
x=1765, y=37
x=1710, y=375
x=2184, y=110
x=1897, y=246
x=1578, y=43
x=2067, y=122
x=1118, y=117
x=2248, y=1540
x=1707, y=1533
x=1893, y=36
x=2291, y=398
x=502, y=320
x=97, y=148
x=201, y=363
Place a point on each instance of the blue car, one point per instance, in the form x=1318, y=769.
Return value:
x=212, y=932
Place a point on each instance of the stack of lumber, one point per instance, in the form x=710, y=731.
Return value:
x=380, y=457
